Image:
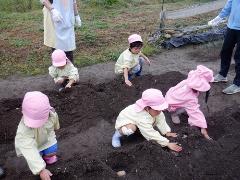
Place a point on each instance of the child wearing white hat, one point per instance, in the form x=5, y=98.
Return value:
x=144, y=115
x=184, y=97
x=35, y=138
x=62, y=70
x=131, y=60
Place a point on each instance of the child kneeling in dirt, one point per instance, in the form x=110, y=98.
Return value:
x=184, y=97
x=144, y=115
x=35, y=138
x=131, y=60
x=62, y=70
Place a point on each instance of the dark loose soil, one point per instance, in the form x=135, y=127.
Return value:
x=87, y=115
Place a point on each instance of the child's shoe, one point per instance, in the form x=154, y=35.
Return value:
x=175, y=119
x=116, y=139
x=50, y=159
x=1, y=172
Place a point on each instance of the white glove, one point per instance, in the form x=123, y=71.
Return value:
x=216, y=21
x=56, y=16
x=78, y=21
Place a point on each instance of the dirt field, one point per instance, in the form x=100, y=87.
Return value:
x=87, y=115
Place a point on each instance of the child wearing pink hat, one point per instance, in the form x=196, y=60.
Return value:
x=62, y=70
x=131, y=60
x=184, y=97
x=144, y=115
x=35, y=138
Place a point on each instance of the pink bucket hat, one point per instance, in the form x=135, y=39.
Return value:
x=59, y=58
x=133, y=38
x=153, y=98
x=35, y=109
x=199, y=79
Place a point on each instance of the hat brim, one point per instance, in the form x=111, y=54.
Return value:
x=33, y=123
x=60, y=64
x=139, y=106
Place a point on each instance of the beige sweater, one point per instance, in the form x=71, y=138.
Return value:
x=30, y=141
x=145, y=123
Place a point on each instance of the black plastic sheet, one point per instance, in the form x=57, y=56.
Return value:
x=198, y=38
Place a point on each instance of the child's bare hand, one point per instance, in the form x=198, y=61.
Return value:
x=45, y=174
x=148, y=61
x=68, y=85
x=174, y=147
x=59, y=81
x=128, y=82
x=170, y=134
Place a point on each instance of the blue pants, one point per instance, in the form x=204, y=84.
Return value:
x=50, y=150
x=136, y=70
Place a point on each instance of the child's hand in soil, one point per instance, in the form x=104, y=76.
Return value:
x=170, y=134
x=45, y=174
x=59, y=81
x=174, y=147
x=128, y=82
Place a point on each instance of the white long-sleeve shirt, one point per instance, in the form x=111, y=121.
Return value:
x=145, y=123
x=30, y=141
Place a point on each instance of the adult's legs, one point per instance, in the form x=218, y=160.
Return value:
x=236, y=80
x=69, y=55
x=226, y=52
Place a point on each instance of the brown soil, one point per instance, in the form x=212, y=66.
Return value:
x=87, y=114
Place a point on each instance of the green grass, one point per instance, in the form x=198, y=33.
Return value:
x=102, y=37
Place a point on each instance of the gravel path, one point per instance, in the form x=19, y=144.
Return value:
x=195, y=10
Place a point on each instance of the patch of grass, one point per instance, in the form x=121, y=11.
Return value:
x=102, y=37
x=19, y=5
x=149, y=50
x=20, y=42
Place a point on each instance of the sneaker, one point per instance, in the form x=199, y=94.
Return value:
x=1, y=172
x=116, y=139
x=220, y=78
x=232, y=89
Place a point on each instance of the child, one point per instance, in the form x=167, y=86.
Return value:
x=144, y=115
x=184, y=97
x=131, y=60
x=62, y=70
x=35, y=138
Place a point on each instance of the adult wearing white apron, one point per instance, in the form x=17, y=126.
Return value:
x=59, y=29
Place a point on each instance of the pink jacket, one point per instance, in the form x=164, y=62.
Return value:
x=182, y=96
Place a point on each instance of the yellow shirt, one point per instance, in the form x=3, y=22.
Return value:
x=68, y=71
x=126, y=60
x=145, y=123
x=30, y=141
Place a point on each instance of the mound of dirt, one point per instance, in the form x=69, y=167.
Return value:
x=87, y=115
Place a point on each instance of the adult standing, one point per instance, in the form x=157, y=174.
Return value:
x=232, y=38
x=60, y=16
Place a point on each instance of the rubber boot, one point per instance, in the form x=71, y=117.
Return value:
x=50, y=159
x=175, y=119
x=116, y=139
